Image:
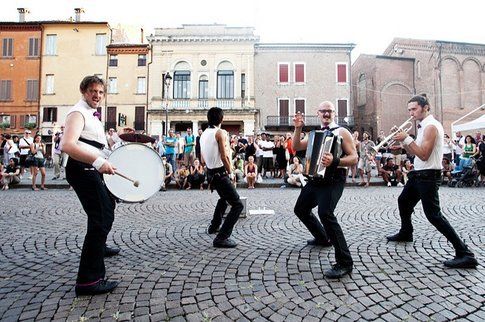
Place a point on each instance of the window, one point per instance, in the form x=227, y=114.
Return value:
x=28, y=120
x=100, y=44
x=5, y=90
x=142, y=60
x=7, y=48
x=49, y=84
x=341, y=73
x=341, y=109
x=51, y=45
x=284, y=111
x=113, y=60
x=113, y=85
x=33, y=47
x=299, y=73
x=243, y=86
x=181, y=84
x=32, y=90
x=362, y=91
x=5, y=120
x=283, y=70
x=203, y=87
x=50, y=114
x=300, y=105
x=225, y=84
x=141, y=85
x=99, y=75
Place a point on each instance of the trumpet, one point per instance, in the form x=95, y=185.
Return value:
x=406, y=127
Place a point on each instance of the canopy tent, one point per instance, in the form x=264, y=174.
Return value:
x=477, y=124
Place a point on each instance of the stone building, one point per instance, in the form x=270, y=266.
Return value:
x=209, y=65
x=292, y=78
x=452, y=74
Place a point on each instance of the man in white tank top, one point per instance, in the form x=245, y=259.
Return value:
x=214, y=148
x=326, y=194
x=84, y=170
x=423, y=183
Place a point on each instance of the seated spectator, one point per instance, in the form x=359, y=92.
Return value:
x=239, y=168
x=408, y=166
x=11, y=175
x=168, y=173
x=181, y=177
x=446, y=170
x=390, y=173
x=294, y=173
x=251, y=172
x=197, y=176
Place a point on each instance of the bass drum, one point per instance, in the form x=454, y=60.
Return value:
x=138, y=162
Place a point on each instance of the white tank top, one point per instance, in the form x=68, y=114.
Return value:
x=93, y=128
x=210, y=149
x=434, y=160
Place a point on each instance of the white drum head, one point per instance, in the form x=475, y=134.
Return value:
x=140, y=163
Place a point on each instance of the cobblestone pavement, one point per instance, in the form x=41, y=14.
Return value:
x=169, y=271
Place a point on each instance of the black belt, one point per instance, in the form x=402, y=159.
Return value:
x=425, y=174
x=220, y=170
x=96, y=144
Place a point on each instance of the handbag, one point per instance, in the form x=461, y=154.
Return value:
x=30, y=160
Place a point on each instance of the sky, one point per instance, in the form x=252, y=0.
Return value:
x=371, y=25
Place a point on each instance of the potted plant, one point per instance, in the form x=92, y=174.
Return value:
x=4, y=125
x=30, y=125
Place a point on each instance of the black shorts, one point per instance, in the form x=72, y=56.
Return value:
x=22, y=161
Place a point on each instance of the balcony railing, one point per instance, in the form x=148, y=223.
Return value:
x=310, y=121
x=201, y=104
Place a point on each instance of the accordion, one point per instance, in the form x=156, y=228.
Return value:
x=320, y=142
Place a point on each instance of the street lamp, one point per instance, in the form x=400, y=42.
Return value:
x=167, y=79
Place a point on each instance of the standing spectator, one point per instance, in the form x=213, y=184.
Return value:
x=3, y=141
x=160, y=146
x=354, y=168
x=179, y=149
x=168, y=173
x=481, y=159
x=289, y=146
x=24, y=146
x=11, y=175
x=280, y=151
x=250, y=149
x=241, y=146
x=38, y=150
x=391, y=172
x=197, y=144
x=259, y=152
x=189, y=140
x=365, y=167
x=57, y=154
x=459, y=144
x=170, y=143
x=448, y=147
x=251, y=172
x=267, y=146
x=470, y=148
x=380, y=156
x=10, y=149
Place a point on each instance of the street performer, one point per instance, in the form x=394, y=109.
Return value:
x=326, y=193
x=83, y=140
x=214, y=144
x=424, y=181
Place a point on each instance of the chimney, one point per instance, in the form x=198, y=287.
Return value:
x=22, y=13
x=78, y=12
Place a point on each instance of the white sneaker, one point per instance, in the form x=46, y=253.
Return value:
x=388, y=184
x=400, y=184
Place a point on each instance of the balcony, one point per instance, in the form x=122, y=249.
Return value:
x=204, y=104
x=284, y=123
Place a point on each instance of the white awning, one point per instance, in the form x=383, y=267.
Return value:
x=477, y=124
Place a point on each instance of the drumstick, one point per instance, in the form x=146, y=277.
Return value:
x=136, y=183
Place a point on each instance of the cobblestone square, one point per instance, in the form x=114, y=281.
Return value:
x=169, y=270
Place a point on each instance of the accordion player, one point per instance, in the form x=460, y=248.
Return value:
x=320, y=142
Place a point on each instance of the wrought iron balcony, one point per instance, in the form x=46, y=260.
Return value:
x=276, y=121
x=201, y=104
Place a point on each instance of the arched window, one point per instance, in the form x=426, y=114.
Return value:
x=181, y=81
x=225, y=80
x=362, y=91
x=203, y=87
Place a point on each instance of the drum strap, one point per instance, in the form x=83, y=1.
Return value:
x=92, y=143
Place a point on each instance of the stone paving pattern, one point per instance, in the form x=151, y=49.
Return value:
x=169, y=270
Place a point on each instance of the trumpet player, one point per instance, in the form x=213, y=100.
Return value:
x=423, y=182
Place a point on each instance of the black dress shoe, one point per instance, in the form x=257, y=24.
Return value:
x=337, y=271
x=400, y=238
x=109, y=251
x=461, y=262
x=224, y=243
x=103, y=286
x=212, y=229
x=317, y=242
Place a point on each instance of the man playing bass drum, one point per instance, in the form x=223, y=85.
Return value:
x=326, y=193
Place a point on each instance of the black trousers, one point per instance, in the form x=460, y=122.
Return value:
x=326, y=197
x=424, y=185
x=227, y=195
x=99, y=206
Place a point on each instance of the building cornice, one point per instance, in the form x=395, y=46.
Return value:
x=449, y=47
x=202, y=39
x=128, y=49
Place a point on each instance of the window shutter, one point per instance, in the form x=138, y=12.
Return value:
x=284, y=73
x=299, y=73
x=54, y=115
x=342, y=73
